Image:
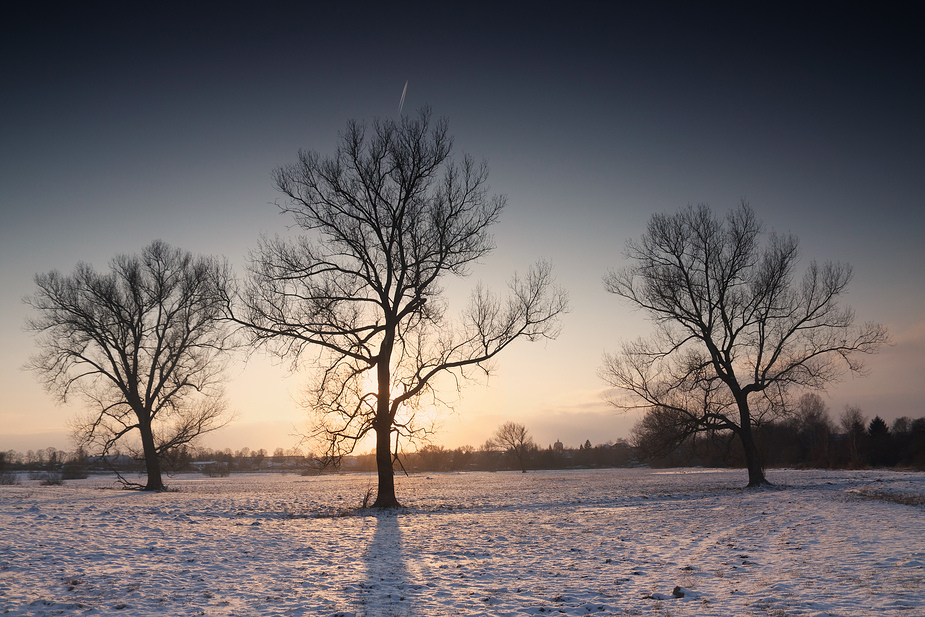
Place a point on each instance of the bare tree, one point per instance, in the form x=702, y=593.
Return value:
x=514, y=439
x=142, y=344
x=814, y=429
x=389, y=216
x=853, y=423
x=734, y=332
x=660, y=431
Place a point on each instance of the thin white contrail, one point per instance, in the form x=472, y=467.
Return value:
x=402, y=102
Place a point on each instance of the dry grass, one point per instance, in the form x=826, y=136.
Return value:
x=906, y=499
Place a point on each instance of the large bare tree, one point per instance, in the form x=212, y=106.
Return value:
x=143, y=344
x=387, y=218
x=734, y=331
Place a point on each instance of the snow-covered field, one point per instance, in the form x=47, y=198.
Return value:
x=603, y=542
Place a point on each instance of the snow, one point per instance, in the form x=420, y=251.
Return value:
x=598, y=542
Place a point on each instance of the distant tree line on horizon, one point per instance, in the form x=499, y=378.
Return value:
x=807, y=439
x=429, y=458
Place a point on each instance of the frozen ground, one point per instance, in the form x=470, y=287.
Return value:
x=608, y=542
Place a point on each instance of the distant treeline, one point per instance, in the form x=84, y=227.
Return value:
x=467, y=458
x=804, y=440
x=428, y=458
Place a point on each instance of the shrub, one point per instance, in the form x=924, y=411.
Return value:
x=217, y=470
x=51, y=479
x=74, y=471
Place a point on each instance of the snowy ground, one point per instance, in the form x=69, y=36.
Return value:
x=607, y=542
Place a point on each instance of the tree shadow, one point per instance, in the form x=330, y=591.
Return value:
x=388, y=589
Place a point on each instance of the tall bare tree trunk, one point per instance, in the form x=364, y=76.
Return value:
x=385, y=496
x=152, y=464
x=752, y=459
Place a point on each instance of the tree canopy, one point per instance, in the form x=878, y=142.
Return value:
x=736, y=332
x=142, y=344
x=385, y=219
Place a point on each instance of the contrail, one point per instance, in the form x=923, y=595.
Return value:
x=402, y=102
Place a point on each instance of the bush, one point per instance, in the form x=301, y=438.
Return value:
x=51, y=479
x=217, y=470
x=74, y=471
x=9, y=479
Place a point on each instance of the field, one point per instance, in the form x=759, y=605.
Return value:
x=602, y=542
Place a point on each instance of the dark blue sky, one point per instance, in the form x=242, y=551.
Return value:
x=121, y=124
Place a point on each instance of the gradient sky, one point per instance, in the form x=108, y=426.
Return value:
x=125, y=124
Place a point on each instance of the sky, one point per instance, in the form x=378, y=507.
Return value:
x=125, y=123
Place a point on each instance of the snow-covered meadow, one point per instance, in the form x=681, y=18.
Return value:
x=602, y=542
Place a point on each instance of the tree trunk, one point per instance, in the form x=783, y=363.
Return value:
x=385, y=497
x=152, y=464
x=752, y=460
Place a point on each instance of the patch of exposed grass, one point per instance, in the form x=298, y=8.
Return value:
x=906, y=499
